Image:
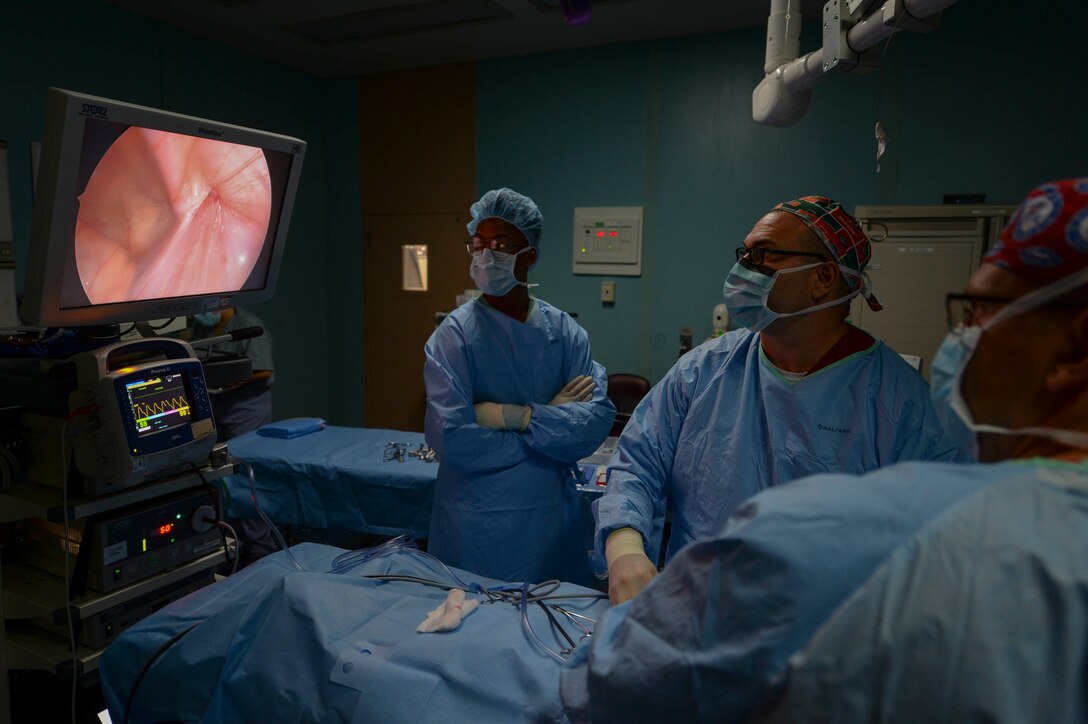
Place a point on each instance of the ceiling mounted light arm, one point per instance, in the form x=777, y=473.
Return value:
x=782, y=97
x=783, y=34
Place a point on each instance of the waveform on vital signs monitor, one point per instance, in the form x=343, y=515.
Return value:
x=158, y=403
x=174, y=405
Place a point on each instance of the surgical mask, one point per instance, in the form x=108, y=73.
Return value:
x=493, y=271
x=207, y=319
x=955, y=353
x=746, y=292
x=944, y=381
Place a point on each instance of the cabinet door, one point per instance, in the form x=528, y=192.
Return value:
x=912, y=269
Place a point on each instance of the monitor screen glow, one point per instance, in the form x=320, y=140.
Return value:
x=145, y=214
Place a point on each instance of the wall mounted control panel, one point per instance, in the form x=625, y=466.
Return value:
x=608, y=240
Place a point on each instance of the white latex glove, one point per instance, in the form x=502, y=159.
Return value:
x=580, y=389
x=489, y=414
x=448, y=615
x=516, y=417
x=629, y=569
x=502, y=417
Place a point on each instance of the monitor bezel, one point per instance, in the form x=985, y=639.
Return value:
x=55, y=211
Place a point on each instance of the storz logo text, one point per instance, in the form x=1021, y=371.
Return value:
x=208, y=132
x=90, y=109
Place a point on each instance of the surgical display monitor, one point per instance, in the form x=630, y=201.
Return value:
x=144, y=214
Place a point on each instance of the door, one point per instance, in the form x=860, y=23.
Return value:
x=415, y=266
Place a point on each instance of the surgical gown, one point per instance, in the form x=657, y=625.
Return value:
x=724, y=424
x=505, y=505
x=954, y=592
x=982, y=616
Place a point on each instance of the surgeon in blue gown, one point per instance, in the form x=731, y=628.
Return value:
x=921, y=592
x=800, y=391
x=514, y=399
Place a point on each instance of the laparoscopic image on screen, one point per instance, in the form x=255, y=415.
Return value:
x=167, y=215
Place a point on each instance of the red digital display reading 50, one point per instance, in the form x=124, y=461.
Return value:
x=164, y=529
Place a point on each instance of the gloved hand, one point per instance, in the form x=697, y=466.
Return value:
x=629, y=569
x=502, y=417
x=580, y=389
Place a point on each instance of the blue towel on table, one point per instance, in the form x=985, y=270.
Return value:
x=295, y=427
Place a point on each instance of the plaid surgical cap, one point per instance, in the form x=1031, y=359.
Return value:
x=1047, y=237
x=840, y=233
x=511, y=207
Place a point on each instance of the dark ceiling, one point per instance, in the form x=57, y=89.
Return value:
x=343, y=37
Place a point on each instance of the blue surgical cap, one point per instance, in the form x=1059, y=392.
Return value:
x=511, y=207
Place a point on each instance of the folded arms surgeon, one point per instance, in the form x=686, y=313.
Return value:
x=496, y=373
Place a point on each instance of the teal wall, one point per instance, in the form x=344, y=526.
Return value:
x=96, y=48
x=988, y=103
x=991, y=103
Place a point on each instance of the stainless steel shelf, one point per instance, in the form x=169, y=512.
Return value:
x=30, y=500
x=33, y=593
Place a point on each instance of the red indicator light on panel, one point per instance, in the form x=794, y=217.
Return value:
x=613, y=233
x=164, y=529
x=600, y=233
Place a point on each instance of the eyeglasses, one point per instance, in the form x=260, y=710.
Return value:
x=501, y=243
x=970, y=310
x=965, y=310
x=758, y=254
